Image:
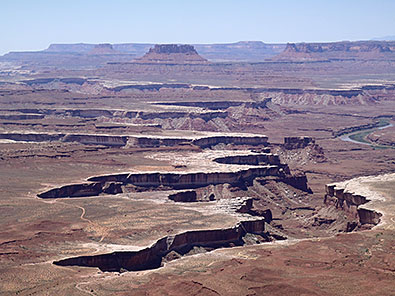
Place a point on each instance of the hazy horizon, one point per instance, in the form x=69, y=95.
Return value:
x=34, y=25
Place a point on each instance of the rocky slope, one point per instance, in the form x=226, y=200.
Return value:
x=350, y=199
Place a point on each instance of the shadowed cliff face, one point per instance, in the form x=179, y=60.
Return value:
x=180, y=244
x=351, y=203
x=135, y=141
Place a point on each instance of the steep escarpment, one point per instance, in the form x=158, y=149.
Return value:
x=180, y=244
x=17, y=116
x=87, y=139
x=202, y=142
x=31, y=137
x=135, y=140
x=252, y=159
x=82, y=190
x=105, y=140
x=192, y=180
x=206, y=142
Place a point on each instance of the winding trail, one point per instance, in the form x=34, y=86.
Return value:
x=96, y=227
x=77, y=286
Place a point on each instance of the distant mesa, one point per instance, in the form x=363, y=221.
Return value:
x=364, y=50
x=172, y=53
x=102, y=49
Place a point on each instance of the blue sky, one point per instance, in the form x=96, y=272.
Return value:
x=34, y=24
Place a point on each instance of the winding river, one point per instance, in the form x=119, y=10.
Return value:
x=346, y=137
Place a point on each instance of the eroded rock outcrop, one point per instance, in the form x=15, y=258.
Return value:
x=340, y=197
x=248, y=208
x=297, y=142
x=184, y=196
x=297, y=151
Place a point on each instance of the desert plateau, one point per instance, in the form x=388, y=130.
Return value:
x=244, y=168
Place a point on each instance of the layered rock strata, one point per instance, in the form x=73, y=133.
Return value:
x=152, y=257
x=253, y=159
x=135, y=140
x=192, y=180
x=351, y=203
